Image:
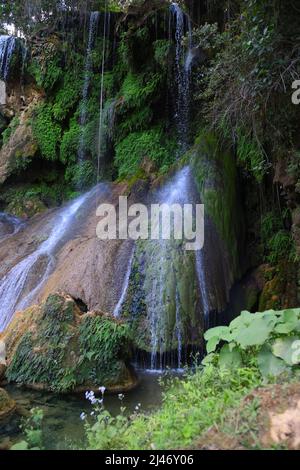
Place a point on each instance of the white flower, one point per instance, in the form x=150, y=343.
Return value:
x=102, y=390
x=121, y=396
x=82, y=416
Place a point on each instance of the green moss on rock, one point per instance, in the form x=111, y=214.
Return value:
x=216, y=179
x=56, y=347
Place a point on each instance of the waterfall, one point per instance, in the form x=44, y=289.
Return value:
x=182, y=75
x=201, y=273
x=14, y=284
x=183, y=69
x=94, y=18
x=118, y=307
x=7, y=47
x=177, y=191
x=106, y=32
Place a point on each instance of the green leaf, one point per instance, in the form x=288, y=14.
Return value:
x=20, y=446
x=268, y=364
x=220, y=332
x=208, y=359
x=212, y=344
x=245, y=318
x=286, y=349
x=288, y=322
x=229, y=359
x=255, y=334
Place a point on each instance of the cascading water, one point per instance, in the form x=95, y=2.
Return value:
x=175, y=192
x=94, y=19
x=182, y=75
x=118, y=307
x=106, y=32
x=7, y=47
x=183, y=70
x=13, y=295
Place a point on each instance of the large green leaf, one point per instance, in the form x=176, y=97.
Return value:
x=288, y=322
x=244, y=319
x=212, y=344
x=286, y=349
x=268, y=364
x=220, y=332
x=229, y=359
x=255, y=334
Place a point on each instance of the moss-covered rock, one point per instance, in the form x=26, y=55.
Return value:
x=216, y=178
x=7, y=405
x=163, y=299
x=57, y=347
x=280, y=290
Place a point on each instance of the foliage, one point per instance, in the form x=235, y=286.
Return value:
x=243, y=88
x=6, y=134
x=271, y=340
x=191, y=404
x=68, y=95
x=162, y=48
x=131, y=151
x=251, y=156
x=46, y=131
x=81, y=175
x=276, y=239
x=32, y=431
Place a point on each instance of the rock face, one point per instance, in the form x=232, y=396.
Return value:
x=7, y=405
x=57, y=347
x=216, y=179
x=20, y=144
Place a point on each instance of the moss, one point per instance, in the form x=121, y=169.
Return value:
x=216, y=179
x=47, y=132
x=7, y=405
x=65, y=350
x=280, y=290
x=131, y=151
x=29, y=199
x=9, y=131
x=162, y=297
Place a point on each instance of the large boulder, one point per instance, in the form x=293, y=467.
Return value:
x=55, y=346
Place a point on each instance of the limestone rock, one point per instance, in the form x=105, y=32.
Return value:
x=20, y=144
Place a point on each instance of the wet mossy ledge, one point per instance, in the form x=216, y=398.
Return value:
x=216, y=178
x=57, y=347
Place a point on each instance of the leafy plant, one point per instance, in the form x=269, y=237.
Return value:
x=270, y=339
x=32, y=431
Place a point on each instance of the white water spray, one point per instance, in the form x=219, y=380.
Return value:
x=7, y=47
x=14, y=284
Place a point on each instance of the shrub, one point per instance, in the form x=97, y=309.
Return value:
x=270, y=340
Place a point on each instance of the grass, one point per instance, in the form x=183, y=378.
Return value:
x=190, y=406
